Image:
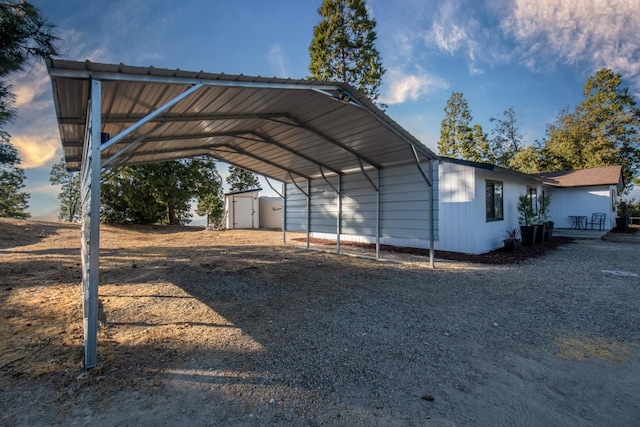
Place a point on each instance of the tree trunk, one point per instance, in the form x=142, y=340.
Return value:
x=171, y=214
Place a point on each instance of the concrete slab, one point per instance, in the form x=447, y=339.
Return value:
x=579, y=234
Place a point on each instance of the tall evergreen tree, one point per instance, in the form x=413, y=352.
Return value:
x=603, y=130
x=13, y=201
x=69, y=196
x=507, y=140
x=241, y=180
x=460, y=139
x=343, y=47
x=24, y=35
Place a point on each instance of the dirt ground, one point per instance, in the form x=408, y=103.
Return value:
x=232, y=328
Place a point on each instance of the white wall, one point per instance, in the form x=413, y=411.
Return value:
x=271, y=212
x=581, y=201
x=462, y=208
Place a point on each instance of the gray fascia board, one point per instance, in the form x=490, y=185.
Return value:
x=146, y=78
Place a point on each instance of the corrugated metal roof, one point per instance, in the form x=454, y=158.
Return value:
x=284, y=129
x=609, y=175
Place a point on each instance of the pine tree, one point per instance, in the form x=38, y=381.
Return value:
x=603, y=130
x=69, y=195
x=460, y=139
x=13, y=201
x=507, y=140
x=241, y=180
x=24, y=35
x=343, y=47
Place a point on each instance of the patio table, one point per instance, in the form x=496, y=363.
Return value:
x=579, y=222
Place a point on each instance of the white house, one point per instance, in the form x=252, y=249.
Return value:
x=583, y=193
x=476, y=205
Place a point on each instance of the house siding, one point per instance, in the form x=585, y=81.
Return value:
x=404, y=207
x=581, y=201
x=462, y=208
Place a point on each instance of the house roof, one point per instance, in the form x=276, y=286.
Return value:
x=285, y=129
x=610, y=175
x=490, y=167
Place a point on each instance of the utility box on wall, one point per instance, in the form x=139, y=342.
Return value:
x=242, y=209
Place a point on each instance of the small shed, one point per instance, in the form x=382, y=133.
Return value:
x=242, y=209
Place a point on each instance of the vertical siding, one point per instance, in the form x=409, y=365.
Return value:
x=580, y=201
x=404, y=208
x=324, y=207
x=296, y=215
x=490, y=234
x=457, y=208
x=462, y=208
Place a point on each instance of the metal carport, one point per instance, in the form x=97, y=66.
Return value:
x=293, y=131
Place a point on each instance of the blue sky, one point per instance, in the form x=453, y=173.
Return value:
x=532, y=55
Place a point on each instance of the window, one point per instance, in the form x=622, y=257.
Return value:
x=533, y=198
x=495, y=211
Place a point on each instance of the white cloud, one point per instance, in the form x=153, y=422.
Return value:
x=35, y=150
x=402, y=87
x=29, y=86
x=600, y=33
x=277, y=60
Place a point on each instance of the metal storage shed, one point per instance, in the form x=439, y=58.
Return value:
x=294, y=131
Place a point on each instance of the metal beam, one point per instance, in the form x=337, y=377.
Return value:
x=107, y=76
x=131, y=129
x=175, y=118
x=263, y=160
x=272, y=141
x=131, y=145
x=327, y=138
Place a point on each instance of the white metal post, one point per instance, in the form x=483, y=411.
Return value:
x=308, y=212
x=284, y=215
x=90, y=190
x=431, y=213
x=339, y=216
x=378, y=216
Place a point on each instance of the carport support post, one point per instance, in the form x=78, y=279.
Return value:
x=378, y=216
x=432, y=220
x=90, y=191
x=308, y=212
x=284, y=215
x=339, y=216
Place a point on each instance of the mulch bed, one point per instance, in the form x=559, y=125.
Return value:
x=496, y=257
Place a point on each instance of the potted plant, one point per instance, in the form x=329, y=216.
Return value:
x=622, y=220
x=526, y=219
x=543, y=218
x=511, y=241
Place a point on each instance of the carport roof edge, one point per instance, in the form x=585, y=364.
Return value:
x=286, y=129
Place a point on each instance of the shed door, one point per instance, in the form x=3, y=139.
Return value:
x=243, y=212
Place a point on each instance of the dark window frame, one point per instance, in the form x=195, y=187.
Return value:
x=494, y=193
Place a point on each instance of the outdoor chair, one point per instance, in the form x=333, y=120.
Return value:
x=597, y=219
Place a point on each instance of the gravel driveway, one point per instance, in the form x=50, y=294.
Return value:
x=306, y=338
